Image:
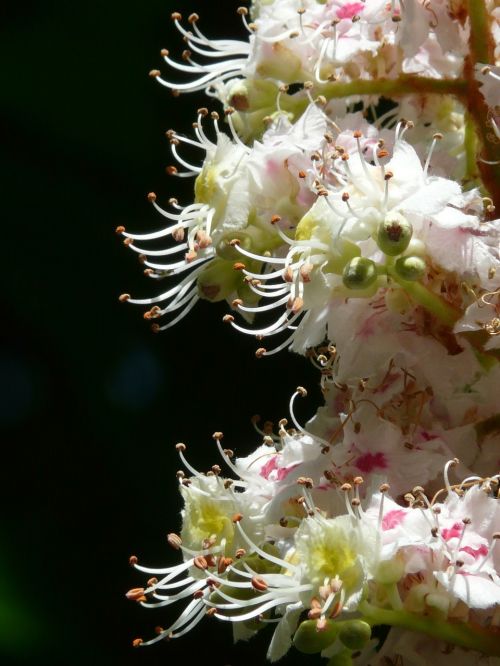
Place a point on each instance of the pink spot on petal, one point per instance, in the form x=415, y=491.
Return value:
x=349, y=10
x=269, y=467
x=283, y=472
x=370, y=461
x=452, y=532
x=476, y=552
x=393, y=518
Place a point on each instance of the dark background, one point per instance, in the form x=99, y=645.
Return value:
x=91, y=402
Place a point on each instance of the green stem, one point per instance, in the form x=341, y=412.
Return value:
x=481, y=50
x=442, y=310
x=404, y=84
x=469, y=636
x=470, y=145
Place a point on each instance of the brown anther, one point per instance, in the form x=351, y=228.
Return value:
x=200, y=562
x=308, y=85
x=236, y=303
x=268, y=440
x=301, y=11
x=178, y=234
x=436, y=510
x=459, y=563
x=346, y=487
x=165, y=53
x=495, y=535
x=384, y=487
x=321, y=100
x=382, y=153
x=323, y=192
x=241, y=552
x=283, y=522
x=305, y=272
x=228, y=111
x=259, y=584
x=155, y=328
x=296, y=304
x=242, y=11
x=171, y=170
x=229, y=453
x=396, y=18
x=239, y=266
x=293, y=35
x=357, y=427
x=180, y=474
x=345, y=196
x=466, y=521
x=325, y=450
x=301, y=391
x=151, y=197
x=237, y=517
x=120, y=229
x=302, y=174
x=128, y=241
x=176, y=16
x=228, y=483
x=142, y=258
x=314, y=613
x=180, y=446
x=288, y=274
x=328, y=137
x=227, y=319
x=202, y=111
x=136, y=594
x=152, y=581
x=192, y=18
x=388, y=175
x=418, y=490
x=275, y=219
x=136, y=642
x=305, y=481
x=124, y=298
x=409, y=445
x=218, y=435
x=409, y=498
x=356, y=18
x=345, y=157
x=216, y=469
x=438, y=136
x=214, y=115
x=154, y=73
x=174, y=540
x=434, y=531
x=199, y=594
x=186, y=482
x=132, y=560
x=355, y=501
x=357, y=134
x=211, y=611
x=358, y=480
x=211, y=561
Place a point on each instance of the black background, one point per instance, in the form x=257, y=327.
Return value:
x=91, y=402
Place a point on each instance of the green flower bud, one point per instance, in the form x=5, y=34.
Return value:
x=359, y=273
x=394, y=234
x=355, y=634
x=309, y=640
x=410, y=268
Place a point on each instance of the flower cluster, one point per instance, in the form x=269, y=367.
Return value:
x=344, y=208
